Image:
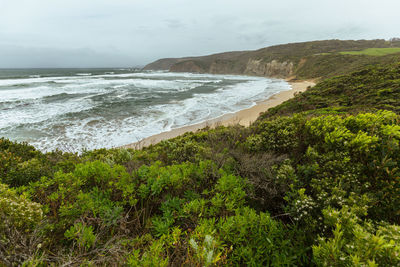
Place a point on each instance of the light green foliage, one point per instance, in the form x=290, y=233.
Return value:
x=95, y=202
x=99, y=174
x=17, y=210
x=158, y=179
x=357, y=243
x=347, y=133
x=373, y=51
x=83, y=235
x=229, y=192
x=196, y=207
x=20, y=219
x=205, y=253
x=364, y=138
x=153, y=256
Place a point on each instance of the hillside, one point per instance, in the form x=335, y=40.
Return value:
x=166, y=63
x=369, y=89
x=317, y=59
x=314, y=182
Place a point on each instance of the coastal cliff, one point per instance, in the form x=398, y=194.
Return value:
x=273, y=68
x=253, y=67
x=307, y=60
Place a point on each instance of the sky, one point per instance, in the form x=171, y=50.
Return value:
x=130, y=33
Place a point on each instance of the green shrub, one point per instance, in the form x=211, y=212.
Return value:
x=20, y=221
x=280, y=135
x=17, y=210
x=258, y=240
x=229, y=193
x=153, y=255
x=205, y=252
x=21, y=150
x=357, y=243
x=28, y=171
x=367, y=89
x=82, y=235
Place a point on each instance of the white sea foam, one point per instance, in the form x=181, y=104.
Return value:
x=39, y=110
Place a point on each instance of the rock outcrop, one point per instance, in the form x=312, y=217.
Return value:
x=273, y=68
x=253, y=67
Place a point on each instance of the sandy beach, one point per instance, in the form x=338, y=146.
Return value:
x=243, y=117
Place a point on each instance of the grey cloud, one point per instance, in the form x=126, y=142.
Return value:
x=128, y=33
x=16, y=57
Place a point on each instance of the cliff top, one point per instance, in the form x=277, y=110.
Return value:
x=345, y=55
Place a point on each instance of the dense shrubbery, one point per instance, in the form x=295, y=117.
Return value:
x=313, y=188
x=369, y=89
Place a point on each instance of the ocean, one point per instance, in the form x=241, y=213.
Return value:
x=77, y=109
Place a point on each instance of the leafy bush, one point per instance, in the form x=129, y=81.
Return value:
x=357, y=243
x=17, y=210
x=279, y=135
x=82, y=234
x=20, y=219
x=204, y=252
x=257, y=239
x=355, y=92
x=320, y=187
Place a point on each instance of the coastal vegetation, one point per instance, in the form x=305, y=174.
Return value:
x=306, y=60
x=313, y=182
x=372, y=88
x=373, y=51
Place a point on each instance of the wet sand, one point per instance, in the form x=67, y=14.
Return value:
x=243, y=117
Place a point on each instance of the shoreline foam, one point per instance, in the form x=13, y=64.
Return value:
x=243, y=117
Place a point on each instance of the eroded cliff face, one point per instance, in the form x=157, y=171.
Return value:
x=273, y=68
x=254, y=67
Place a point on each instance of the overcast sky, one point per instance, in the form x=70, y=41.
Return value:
x=100, y=33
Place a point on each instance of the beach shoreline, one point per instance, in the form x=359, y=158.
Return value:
x=242, y=117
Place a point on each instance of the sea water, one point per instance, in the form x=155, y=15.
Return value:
x=75, y=109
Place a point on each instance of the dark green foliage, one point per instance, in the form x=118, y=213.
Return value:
x=372, y=88
x=259, y=240
x=21, y=150
x=20, y=163
x=324, y=66
x=317, y=185
x=279, y=135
